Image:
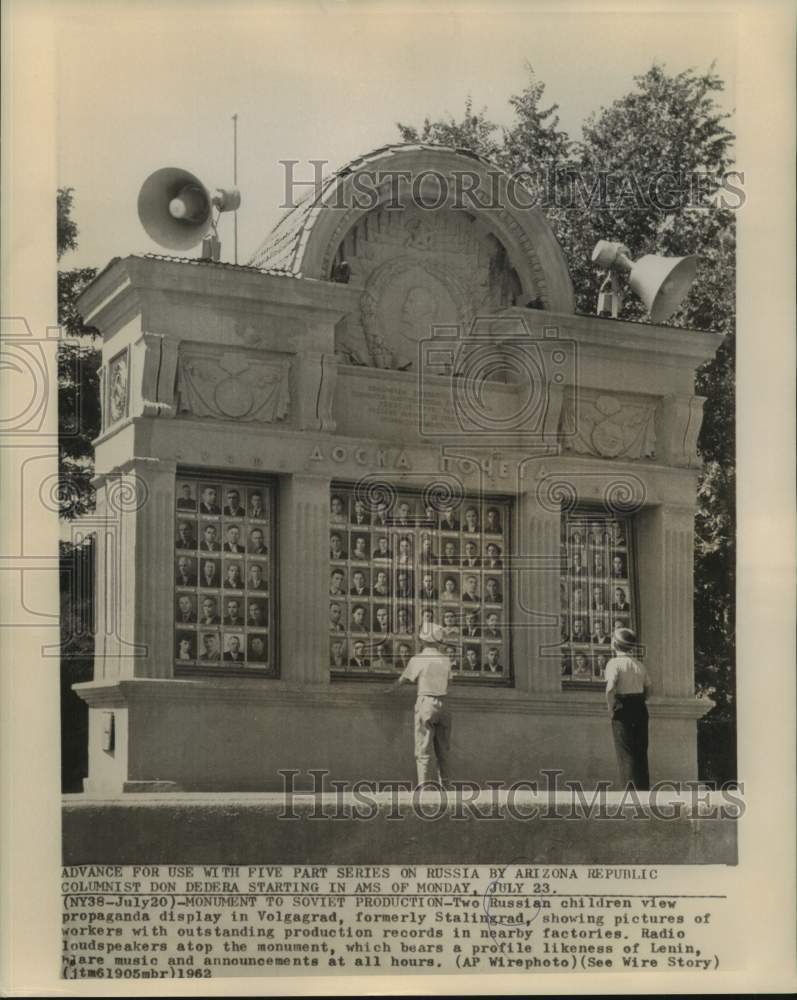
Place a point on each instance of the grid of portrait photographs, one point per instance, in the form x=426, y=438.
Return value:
x=397, y=561
x=597, y=593
x=223, y=575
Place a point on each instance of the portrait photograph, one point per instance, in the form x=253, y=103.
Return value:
x=209, y=537
x=338, y=658
x=448, y=519
x=233, y=541
x=360, y=660
x=209, y=500
x=382, y=550
x=256, y=542
x=256, y=509
x=337, y=619
x=471, y=558
x=450, y=552
x=185, y=571
x=360, y=618
x=492, y=521
x=209, y=611
x=257, y=576
x=338, y=545
x=471, y=660
x=234, y=647
x=233, y=575
x=492, y=660
x=257, y=647
x=360, y=515
x=471, y=629
x=185, y=647
x=233, y=612
x=233, y=505
x=209, y=573
x=360, y=582
x=256, y=613
x=185, y=534
x=185, y=609
x=360, y=547
x=209, y=647
x=337, y=509
x=450, y=588
x=185, y=496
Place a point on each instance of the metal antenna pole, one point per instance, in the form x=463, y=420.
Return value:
x=235, y=179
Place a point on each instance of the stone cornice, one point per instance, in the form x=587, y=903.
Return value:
x=668, y=344
x=363, y=695
x=109, y=296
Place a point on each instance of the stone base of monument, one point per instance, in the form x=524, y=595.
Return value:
x=429, y=827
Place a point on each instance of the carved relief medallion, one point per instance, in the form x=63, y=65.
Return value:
x=117, y=394
x=233, y=386
x=610, y=426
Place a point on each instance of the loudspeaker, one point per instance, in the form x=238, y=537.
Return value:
x=661, y=282
x=176, y=209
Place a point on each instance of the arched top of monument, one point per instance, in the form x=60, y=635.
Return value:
x=474, y=203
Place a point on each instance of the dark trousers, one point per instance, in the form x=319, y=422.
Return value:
x=630, y=732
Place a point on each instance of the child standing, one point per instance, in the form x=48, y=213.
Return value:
x=431, y=669
x=627, y=689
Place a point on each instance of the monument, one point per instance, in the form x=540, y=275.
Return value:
x=391, y=415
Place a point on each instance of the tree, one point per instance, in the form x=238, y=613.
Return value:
x=78, y=362
x=78, y=376
x=673, y=124
x=474, y=131
x=648, y=172
x=66, y=227
x=535, y=138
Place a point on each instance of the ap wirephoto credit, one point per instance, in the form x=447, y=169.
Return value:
x=400, y=556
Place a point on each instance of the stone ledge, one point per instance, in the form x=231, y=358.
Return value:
x=182, y=828
x=343, y=694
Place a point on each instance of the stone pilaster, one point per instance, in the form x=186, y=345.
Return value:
x=106, y=664
x=304, y=578
x=678, y=422
x=315, y=377
x=536, y=589
x=145, y=504
x=666, y=586
x=156, y=354
x=118, y=645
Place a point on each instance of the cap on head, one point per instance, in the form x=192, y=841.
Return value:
x=624, y=640
x=432, y=633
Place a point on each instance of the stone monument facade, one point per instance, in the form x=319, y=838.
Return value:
x=294, y=472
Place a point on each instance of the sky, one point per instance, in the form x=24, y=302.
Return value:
x=143, y=86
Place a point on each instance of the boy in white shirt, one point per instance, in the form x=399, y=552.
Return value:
x=431, y=669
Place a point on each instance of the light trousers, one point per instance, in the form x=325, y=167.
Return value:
x=432, y=738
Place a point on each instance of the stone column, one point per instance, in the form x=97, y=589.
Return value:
x=666, y=590
x=121, y=530
x=303, y=533
x=106, y=659
x=135, y=571
x=154, y=565
x=536, y=587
